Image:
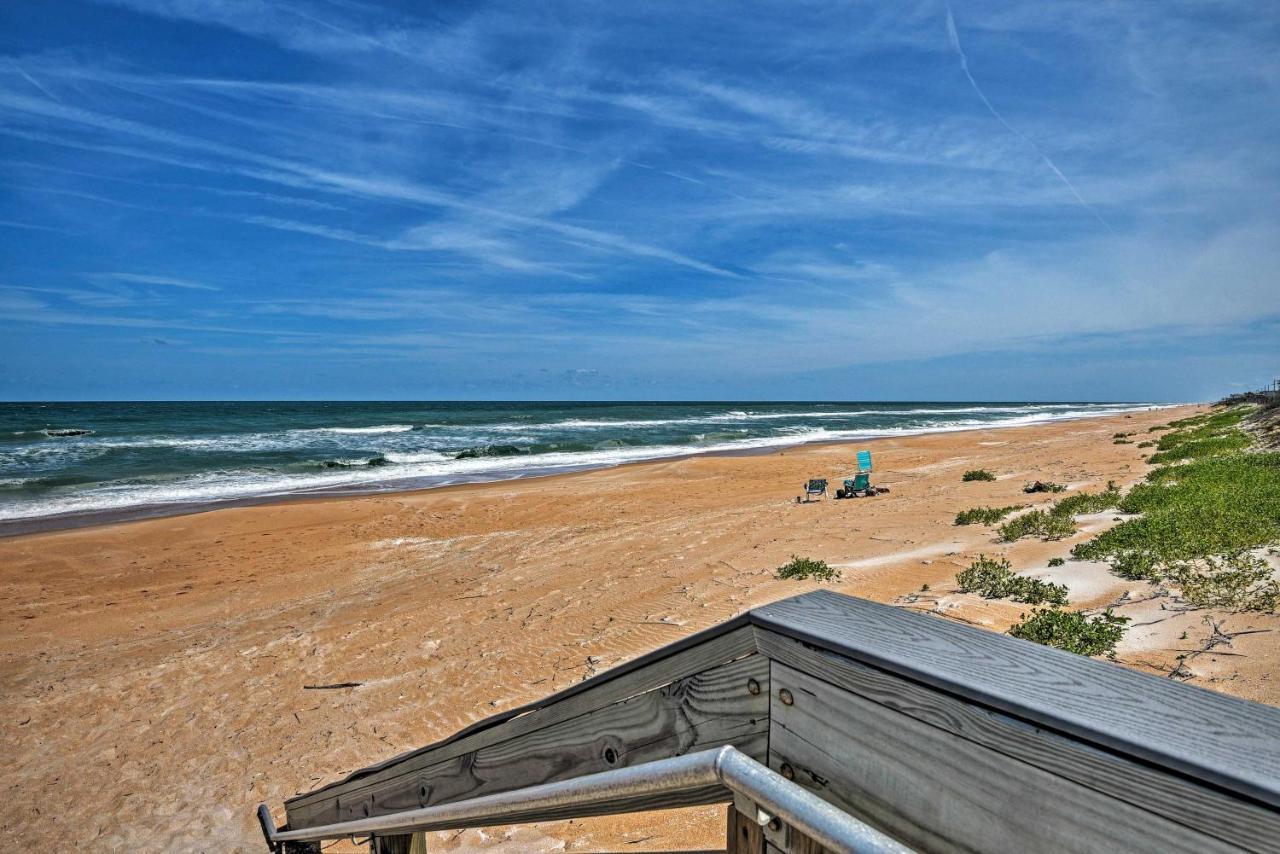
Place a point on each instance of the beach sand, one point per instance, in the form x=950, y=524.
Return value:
x=155, y=672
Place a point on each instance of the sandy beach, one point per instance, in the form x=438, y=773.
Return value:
x=156, y=673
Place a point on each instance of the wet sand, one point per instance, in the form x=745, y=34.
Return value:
x=155, y=672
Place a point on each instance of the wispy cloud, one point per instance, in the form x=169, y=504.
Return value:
x=162, y=281
x=456, y=191
x=954, y=37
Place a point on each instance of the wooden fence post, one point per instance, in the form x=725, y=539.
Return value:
x=398, y=844
x=742, y=834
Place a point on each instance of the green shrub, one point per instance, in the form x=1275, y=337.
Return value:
x=985, y=515
x=1056, y=561
x=992, y=578
x=977, y=474
x=1087, y=502
x=804, y=567
x=1121, y=442
x=1072, y=630
x=1038, y=523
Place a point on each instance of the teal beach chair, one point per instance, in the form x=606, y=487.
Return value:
x=860, y=483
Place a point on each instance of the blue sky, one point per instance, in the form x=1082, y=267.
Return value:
x=333, y=199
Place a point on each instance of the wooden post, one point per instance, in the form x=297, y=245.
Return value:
x=398, y=844
x=743, y=835
x=403, y=843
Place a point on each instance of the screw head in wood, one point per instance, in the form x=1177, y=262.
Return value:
x=788, y=771
x=753, y=687
x=775, y=824
x=785, y=696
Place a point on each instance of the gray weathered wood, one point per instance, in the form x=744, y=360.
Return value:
x=692, y=655
x=935, y=792
x=1181, y=799
x=924, y=721
x=708, y=709
x=1232, y=743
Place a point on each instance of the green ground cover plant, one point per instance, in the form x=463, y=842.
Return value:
x=993, y=578
x=804, y=568
x=1056, y=561
x=977, y=474
x=1058, y=520
x=1088, y=502
x=1072, y=630
x=1209, y=435
x=1037, y=523
x=985, y=515
x=1200, y=515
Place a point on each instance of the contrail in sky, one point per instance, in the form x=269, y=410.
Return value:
x=34, y=82
x=964, y=66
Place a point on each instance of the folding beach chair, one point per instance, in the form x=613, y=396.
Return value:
x=864, y=462
x=816, y=486
x=860, y=483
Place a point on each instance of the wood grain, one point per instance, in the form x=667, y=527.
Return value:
x=1232, y=743
x=692, y=655
x=705, y=710
x=1181, y=799
x=935, y=792
x=742, y=834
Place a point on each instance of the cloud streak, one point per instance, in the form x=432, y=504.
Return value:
x=954, y=37
x=496, y=186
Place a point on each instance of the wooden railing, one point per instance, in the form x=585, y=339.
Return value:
x=941, y=735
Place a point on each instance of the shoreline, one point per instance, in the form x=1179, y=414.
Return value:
x=77, y=520
x=159, y=669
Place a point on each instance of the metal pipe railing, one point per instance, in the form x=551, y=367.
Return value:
x=724, y=766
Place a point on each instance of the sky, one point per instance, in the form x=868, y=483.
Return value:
x=323, y=199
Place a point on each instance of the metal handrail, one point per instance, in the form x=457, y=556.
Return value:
x=772, y=793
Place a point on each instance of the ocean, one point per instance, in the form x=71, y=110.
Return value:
x=64, y=463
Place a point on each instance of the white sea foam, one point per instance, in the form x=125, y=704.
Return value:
x=356, y=431
x=736, y=416
x=425, y=467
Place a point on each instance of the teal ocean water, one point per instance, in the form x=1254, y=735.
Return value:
x=66, y=461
